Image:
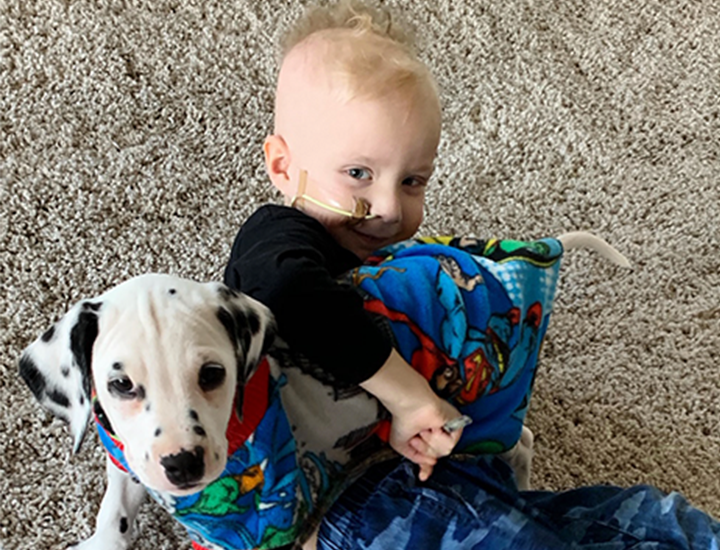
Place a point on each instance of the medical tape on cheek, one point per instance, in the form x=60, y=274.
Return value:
x=360, y=211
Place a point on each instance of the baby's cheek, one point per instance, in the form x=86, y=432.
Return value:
x=414, y=216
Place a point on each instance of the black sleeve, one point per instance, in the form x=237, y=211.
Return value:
x=288, y=261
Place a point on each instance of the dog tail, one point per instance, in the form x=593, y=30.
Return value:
x=583, y=239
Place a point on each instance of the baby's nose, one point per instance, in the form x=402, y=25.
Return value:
x=387, y=206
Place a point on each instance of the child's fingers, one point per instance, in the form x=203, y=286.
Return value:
x=418, y=456
x=425, y=472
x=424, y=455
x=421, y=446
x=439, y=442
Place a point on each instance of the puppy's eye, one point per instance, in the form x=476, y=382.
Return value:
x=211, y=376
x=122, y=387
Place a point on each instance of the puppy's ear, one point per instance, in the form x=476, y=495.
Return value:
x=251, y=328
x=57, y=367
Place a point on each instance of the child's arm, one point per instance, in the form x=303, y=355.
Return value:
x=283, y=258
x=288, y=261
x=418, y=413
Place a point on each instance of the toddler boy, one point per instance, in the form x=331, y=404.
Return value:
x=357, y=125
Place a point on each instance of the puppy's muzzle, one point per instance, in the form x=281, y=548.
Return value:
x=184, y=469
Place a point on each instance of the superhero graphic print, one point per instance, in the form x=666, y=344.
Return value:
x=469, y=315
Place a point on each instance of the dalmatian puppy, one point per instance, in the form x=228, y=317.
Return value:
x=162, y=359
x=163, y=363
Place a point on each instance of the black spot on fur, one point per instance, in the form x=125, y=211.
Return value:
x=81, y=399
x=140, y=391
x=194, y=415
x=34, y=379
x=268, y=338
x=227, y=293
x=158, y=432
x=117, y=365
x=172, y=291
x=92, y=306
x=82, y=338
x=228, y=323
x=240, y=328
x=123, y=525
x=48, y=334
x=199, y=430
x=147, y=407
x=245, y=343
x=56, y=396
x=254, y=322
x=237, y=325
x=65, y=371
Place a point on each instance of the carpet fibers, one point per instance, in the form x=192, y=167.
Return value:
x=130, y=142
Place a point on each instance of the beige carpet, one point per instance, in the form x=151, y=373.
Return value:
x=130, y=140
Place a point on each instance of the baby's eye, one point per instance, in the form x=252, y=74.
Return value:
x=415, y=181
x=359, y=173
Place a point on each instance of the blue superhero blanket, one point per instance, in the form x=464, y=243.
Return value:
x=470, y=315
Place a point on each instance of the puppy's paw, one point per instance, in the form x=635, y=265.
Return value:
x=519, y=458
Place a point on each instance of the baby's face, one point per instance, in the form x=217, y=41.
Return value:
x=380, y=151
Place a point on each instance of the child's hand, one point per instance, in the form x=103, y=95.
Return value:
x=419, y=434
x=418, y=413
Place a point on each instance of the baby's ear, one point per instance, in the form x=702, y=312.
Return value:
x=277, y=164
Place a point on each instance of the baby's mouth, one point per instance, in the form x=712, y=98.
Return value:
x=374, y=241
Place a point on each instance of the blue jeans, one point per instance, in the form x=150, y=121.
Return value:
x=473, y=503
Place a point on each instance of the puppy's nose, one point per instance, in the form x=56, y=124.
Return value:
x=184, y=468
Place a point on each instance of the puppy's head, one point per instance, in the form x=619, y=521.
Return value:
x=167, y=358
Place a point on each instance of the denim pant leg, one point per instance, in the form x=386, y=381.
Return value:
x=638, y=518
x=461, y=507
x=474, y=504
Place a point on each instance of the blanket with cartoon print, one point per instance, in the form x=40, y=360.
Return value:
x=469, y=314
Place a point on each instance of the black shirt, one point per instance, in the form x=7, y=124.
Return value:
x=288, y=261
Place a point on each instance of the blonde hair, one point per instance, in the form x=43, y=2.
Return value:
x=364, y=49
